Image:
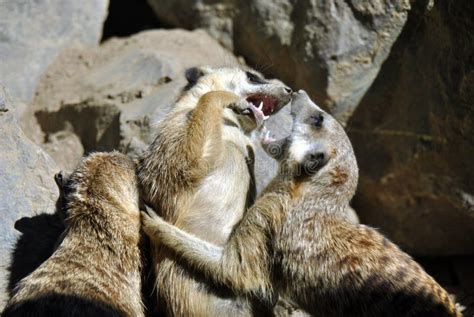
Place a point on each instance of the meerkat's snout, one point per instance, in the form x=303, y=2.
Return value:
x=301, y=104
x=273, y=96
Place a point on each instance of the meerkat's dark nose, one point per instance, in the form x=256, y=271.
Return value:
x=312, y=162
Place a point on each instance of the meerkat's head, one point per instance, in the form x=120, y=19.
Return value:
x=101, y=181
x=318, y=152
x=268, y=94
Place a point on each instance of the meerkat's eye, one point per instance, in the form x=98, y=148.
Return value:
x=318, y=120
x=254, y=78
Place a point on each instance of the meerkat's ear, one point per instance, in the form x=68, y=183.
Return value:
x=194, y=73
x=61, y=181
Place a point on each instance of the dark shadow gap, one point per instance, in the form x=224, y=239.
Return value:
x=129, y=17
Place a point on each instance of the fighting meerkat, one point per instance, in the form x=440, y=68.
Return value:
x=96, y=267
x=201, y=162
x=296, y=243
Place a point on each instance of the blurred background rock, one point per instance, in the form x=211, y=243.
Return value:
x=92, y=75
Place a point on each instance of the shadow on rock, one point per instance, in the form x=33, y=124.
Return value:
x=40, y=235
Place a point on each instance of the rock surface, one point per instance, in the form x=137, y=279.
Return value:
x=333, y=49
x=33, y=32
x=26, y=183
x=413, y=135
x=108, y=97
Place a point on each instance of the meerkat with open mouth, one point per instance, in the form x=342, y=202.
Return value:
x=198, y=174
x=295, y=241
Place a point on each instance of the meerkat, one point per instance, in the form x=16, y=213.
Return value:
x=296, y=243
x=96, y=267
x=201, y=161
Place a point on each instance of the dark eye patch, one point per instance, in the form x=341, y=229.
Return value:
x=254, y=78
x=317, y=120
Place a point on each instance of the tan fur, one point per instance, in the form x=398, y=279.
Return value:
x=196, y=174
x=296, y=243
x=98, y=259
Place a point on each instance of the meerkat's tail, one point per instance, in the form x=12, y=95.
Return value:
x=446, y=300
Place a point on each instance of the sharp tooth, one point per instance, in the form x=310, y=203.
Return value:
x=265, y=117
x=260, y=106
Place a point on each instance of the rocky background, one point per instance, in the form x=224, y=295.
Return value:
x=83, y=76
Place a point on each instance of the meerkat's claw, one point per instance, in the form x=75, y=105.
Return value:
x=258, y=114
x=145, y=216
x=151, y=213
x=246, y=108
x=266, y=136
x=148, y=224
x=269, y=137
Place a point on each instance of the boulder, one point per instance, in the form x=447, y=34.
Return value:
x=333, y=49
x=413, y=135
x=27, y=187
x=33, y=32
x=109, y=97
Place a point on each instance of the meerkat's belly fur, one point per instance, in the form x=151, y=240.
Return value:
x=96, y=268
x=212, y=217
x=213, y=209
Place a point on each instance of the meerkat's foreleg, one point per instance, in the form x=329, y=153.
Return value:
x=199, y=252
x=203, y=143
x=243, y=264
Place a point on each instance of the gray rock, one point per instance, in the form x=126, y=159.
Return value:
x=33, y=32
x=333, y=49
x=413, y=135
x=109, y=97
x=26, y=185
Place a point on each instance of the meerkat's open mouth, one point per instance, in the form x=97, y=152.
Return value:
x=268, y=104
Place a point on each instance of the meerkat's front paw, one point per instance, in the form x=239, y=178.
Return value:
x=243, y=107
x=150, y=221
x=266, y=137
